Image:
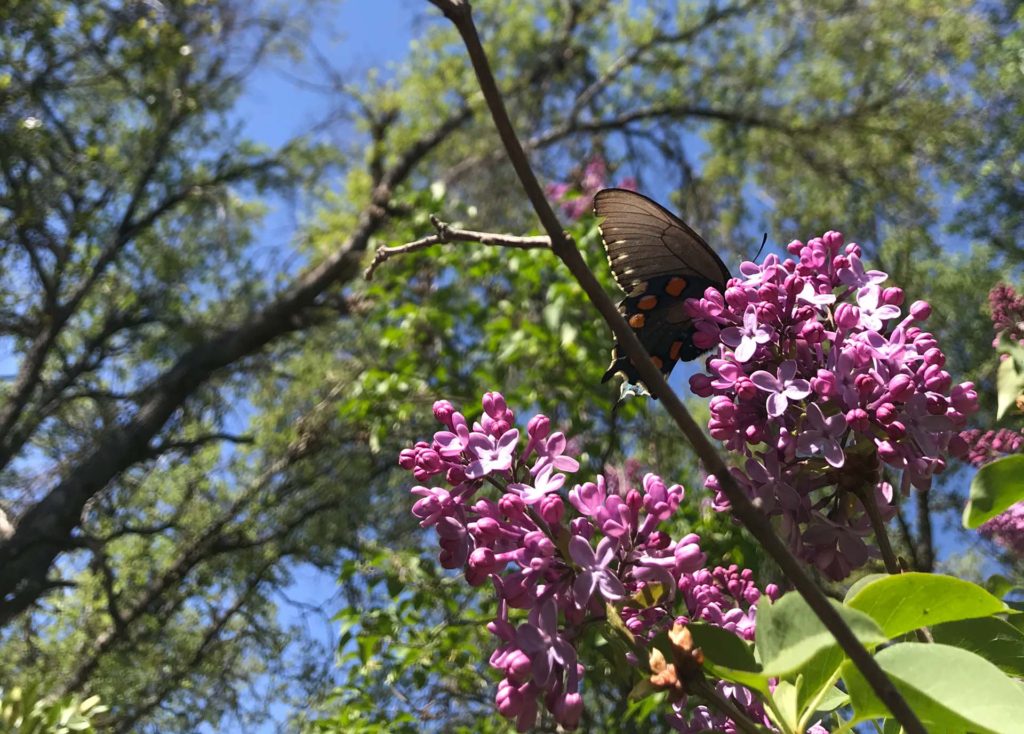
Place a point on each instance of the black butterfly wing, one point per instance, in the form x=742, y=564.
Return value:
x=644, y=240
x=660, y=263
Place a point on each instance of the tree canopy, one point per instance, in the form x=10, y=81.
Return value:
x=193, y=416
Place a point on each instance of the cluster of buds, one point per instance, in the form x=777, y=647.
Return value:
x=502, y=514
x=1007, y=313
x=820, y=381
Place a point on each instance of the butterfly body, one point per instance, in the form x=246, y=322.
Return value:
x=659, y=262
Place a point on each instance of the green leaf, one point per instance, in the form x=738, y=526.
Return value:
x=992, y=638
x=642, y=689
x=999, y=585
x=1009, y=378
x=790, y=635
x=970, y=694
x=785, y=696
x=908, y=601
x=818, y=673
x=997, y=486
x=727, y=656
x=833, y=700
x=861, y=583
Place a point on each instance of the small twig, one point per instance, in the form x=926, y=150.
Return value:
x=446, y=233
x=459, y=13
x=925, y=549
x=892, y=565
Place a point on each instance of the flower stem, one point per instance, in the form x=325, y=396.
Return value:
x=892, y=565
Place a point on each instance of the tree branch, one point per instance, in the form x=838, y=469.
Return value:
x=445, y=234
x=458, y=11
x=43, y=532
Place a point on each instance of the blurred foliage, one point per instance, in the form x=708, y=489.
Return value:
x=24, y=711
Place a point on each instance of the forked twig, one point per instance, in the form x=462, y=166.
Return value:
x=447, y=233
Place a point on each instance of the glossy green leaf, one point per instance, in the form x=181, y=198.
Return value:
x=790, y=635
x=728, y=657
x=861, y=583
x=992, y=638
x=970, y=694
x=908, y=601
x=818, y=673
x=833, y=700
x=995, y=487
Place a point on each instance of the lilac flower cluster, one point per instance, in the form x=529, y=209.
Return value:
x=594, y=178
x=725, y=597
x=1007, y=312
x=819, y=380
x=561, y=555
x=985, y=446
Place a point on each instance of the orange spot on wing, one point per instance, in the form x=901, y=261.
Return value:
x=637, y=321
x=647, y=303
x=675, y=286
x=674, y=351
x=658, y=363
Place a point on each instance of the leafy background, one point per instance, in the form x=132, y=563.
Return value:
x=254, y=567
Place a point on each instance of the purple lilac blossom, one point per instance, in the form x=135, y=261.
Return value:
x=562, y=561
x=1007, y=312
x=576, y=200
x=844, y=376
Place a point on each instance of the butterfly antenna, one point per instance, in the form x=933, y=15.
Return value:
x=761, y=248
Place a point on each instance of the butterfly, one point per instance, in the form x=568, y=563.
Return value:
x=659, y=262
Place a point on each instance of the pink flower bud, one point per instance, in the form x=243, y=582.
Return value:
x=892, y=296
x=833, y=241
x=700, y=385
x=865, y=384
x=935, y=356
x=858, y=420
x=920, y=310
x=824, y=384
x=887, y=452
x=539, y=427
x=689, y=557
x=896, y=430
x=552, y=509
x=901, y=387
x=736, y=298
x=443, y=411
x=480, y=565
x=965, y=398
x=813, y=332
x=794, y=247
x=511, y=506
x=494, y=405
x=886, y=413
x=847, y=316
x=407, y=459
x=745, y=389
x=568, y=710
x=937, y=405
